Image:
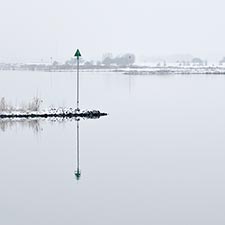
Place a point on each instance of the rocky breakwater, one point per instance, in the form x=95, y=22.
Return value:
x=57, y=113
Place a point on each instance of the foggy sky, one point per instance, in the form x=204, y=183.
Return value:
x=34, y=30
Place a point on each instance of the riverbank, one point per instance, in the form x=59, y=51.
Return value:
x=92, y=114
x=132, y=70
x=177, y=70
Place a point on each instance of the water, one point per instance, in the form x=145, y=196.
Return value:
x=158, y=158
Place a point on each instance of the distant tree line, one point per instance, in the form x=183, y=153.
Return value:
x=222, y=61
x=121, y=61
x=108, y=60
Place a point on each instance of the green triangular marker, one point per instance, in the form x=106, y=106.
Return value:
x=77, y=54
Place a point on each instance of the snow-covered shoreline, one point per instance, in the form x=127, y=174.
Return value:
x=54, y=113
x=177, y=70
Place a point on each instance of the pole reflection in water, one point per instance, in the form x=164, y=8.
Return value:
x=35, y=125
x=77, y=173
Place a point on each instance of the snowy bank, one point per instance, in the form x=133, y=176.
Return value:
x=54, y=113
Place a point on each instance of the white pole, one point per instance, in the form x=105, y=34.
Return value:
x=78, y=148
x=78, y=84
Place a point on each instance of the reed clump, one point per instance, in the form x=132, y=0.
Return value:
x=34, y=105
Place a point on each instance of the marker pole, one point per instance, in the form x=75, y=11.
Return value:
x=78, y=84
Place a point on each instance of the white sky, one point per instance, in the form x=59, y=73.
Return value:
x=32, y=30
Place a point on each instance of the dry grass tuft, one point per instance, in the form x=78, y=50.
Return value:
x=33, y=105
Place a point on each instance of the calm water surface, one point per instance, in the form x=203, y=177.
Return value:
x=158, y=158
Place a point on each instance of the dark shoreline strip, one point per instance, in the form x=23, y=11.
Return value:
x=88, y=114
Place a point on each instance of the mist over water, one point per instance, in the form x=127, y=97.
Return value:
x=158, y=158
